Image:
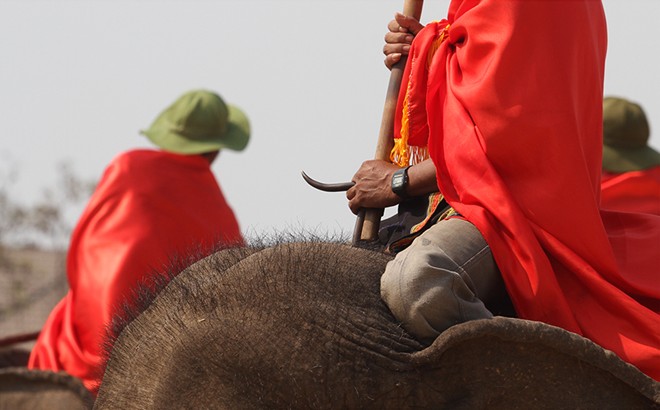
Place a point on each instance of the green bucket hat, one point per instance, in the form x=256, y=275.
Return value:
x=625, y=137
x=199, y=121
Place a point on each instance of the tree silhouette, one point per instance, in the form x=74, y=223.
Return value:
x=47, y=222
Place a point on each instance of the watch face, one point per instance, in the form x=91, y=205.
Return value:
x=400, y=182
x=397, y=180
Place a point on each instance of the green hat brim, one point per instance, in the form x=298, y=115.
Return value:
x=629, y=159
x=236, y=138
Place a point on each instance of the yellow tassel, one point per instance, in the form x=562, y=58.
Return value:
x=436, y=45
x=401, y=153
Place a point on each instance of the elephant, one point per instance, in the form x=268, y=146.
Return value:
x=13, y=357
x=302, y=325
x=23, y=388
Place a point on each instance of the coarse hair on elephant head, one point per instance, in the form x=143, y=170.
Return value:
x=302, y=325
x=262, y=328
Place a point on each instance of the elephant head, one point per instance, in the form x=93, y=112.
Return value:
x=302, y=325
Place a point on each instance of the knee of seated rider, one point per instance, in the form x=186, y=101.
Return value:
x=404, y=282
x=428, y=296
x=406, y=300
x=390, y=285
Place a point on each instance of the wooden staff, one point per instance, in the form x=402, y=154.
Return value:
x=368, y=220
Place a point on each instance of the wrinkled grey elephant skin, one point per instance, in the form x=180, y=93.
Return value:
x=21, y=388
x=302, y=326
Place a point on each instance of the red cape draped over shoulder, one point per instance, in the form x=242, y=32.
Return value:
x=635, y=191
x=512, y=107
x=149, y=207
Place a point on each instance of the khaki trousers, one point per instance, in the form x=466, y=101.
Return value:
x=446, y=276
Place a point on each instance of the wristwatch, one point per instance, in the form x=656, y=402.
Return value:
x=400, y=182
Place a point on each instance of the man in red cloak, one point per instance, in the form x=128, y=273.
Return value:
x=150, y=207
x=501, y=111
x=631, y=168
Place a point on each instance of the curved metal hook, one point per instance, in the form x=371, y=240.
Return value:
x=336, y=187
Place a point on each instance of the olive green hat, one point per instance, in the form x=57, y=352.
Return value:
x=199, y=121
x=625, y=137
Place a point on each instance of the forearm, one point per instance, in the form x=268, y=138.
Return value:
x=373, y=180
x=421, y=179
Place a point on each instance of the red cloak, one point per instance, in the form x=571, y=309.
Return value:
x=510, y=103
x=634, y=191
x=149, y=207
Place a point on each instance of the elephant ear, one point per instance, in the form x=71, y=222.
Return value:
x=22, y=388
x=514, y=363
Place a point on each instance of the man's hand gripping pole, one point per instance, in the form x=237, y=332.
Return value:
x=368, y=220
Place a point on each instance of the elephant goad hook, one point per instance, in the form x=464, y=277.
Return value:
x=340, y=187
x=368, y=220
x=334, y=187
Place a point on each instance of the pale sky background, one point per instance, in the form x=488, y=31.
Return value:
x=79, y=79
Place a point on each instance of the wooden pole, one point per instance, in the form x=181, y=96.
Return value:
x=368, y=220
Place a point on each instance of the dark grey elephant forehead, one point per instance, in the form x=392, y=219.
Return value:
x=302, y=325
x=204, y=268
x=265, y=330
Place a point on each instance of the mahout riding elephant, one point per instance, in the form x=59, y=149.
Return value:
x=302, y=325
x=23, y=388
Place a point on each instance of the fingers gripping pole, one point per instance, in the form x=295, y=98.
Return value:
x=368, y=220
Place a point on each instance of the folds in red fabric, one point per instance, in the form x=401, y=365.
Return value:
x=636, y=191
x=513, y=106
x=149, y=208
